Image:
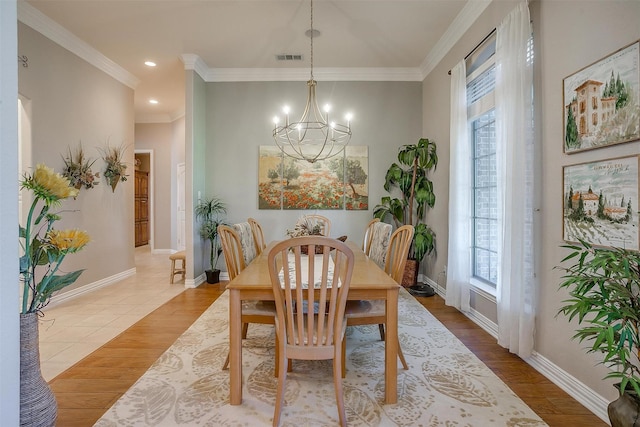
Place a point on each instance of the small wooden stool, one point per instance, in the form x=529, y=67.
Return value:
x=178, y=256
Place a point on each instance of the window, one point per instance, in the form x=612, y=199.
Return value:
x=481, y=81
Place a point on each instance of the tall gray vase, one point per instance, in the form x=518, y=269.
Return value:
x=38, y=406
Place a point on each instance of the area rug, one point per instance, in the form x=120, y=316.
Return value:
x=446, y=384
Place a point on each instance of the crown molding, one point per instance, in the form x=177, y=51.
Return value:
x=194, y=62
x=467, y=16
x=41, y=23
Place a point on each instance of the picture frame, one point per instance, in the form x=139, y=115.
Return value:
x=601, y=102
x=600, y=202
x=340, y=182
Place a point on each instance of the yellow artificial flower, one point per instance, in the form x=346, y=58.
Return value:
x=68, y=240
x=49, y=185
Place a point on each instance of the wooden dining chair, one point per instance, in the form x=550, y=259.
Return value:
x=252, y=311
x=366, y=241
x=316, y=334
x=372, y=312
x=322, y=221
x=381, y=235
x=258, y=235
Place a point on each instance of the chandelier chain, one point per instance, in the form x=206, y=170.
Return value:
x=311, y=39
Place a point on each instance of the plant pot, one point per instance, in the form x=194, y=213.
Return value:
x=38, y=406
x=213, y=276
x=410, y=277
x=625, y=410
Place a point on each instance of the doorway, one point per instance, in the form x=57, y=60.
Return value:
x=143, y=198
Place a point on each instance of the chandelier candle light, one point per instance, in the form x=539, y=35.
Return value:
x=313, y=137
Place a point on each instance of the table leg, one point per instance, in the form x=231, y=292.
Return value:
x=235, y=347
x=391, y=348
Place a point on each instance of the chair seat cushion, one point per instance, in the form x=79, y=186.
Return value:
x=355, y=309
x=259, y=308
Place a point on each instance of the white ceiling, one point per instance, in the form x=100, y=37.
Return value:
x=239, y=39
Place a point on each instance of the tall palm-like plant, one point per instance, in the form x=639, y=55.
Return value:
x=210, y=212
x=410, y=176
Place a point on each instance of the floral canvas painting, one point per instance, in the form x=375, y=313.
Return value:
x=336, y=183
x=600, y=202
x=602, y=102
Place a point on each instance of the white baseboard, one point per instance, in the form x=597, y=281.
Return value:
x=74, y=293
x=163, y=252
x=576, y=389
x=568, y=383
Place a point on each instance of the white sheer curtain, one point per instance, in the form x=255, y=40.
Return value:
x=459, y=187
x=515, y=161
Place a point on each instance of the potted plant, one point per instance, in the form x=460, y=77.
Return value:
x=410, y=177
x=116, y=168
x=604, y=289
x=43, y=249
x=209, y=212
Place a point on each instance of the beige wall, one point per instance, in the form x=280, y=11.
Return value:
x=71, y=101
x=568, y=36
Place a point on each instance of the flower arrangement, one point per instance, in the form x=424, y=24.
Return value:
x=42, y=245
x=305, y=227
x=77, y=169
x=116, y=168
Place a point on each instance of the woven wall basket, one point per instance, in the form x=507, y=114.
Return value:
x=38, y=406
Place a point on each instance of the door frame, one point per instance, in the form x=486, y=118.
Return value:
x=151, y=198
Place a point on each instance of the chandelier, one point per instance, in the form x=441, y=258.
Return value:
x=313, y=137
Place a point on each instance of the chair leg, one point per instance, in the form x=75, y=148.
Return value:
x=344, y=357
x=282, y=377
x=338, y=362
x=245, y=328
x=400, y=354
x=381, y=328
x=173, y=269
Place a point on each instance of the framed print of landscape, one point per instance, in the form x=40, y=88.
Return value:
x=340, y=182
x=601, y=102
x=600, y=202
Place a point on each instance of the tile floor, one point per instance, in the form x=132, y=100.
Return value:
x=74, y=329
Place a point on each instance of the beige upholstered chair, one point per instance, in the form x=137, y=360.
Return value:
x=368, y=233
x=258, y=235
x=234, y=256
x=180, y=269
x=324, y=222
x=379, y=246
x=316, y=334
x=373, y=312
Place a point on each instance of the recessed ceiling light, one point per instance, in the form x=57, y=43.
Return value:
x=149, y=63
x=153, y=101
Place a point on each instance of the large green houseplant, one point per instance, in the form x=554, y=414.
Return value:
x=210, y=214
x=604, y=289
x=410, y=177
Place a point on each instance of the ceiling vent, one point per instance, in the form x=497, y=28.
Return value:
x=289, y=57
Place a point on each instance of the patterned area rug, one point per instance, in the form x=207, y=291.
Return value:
x=446, y=384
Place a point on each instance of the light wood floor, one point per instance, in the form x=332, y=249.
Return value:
x=90, y=387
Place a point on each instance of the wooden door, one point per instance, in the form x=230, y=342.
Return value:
x=142, y=208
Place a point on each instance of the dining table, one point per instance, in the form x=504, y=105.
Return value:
x=368, y=282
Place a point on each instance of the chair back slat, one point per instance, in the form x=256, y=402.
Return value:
x=258, y=235
x=322, y=221
x=366, y=241
x=398, y=252
x=232, y=250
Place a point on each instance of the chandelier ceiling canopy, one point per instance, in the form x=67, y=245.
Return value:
x=313, y=137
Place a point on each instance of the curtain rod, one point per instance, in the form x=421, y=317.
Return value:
x=477, y=46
